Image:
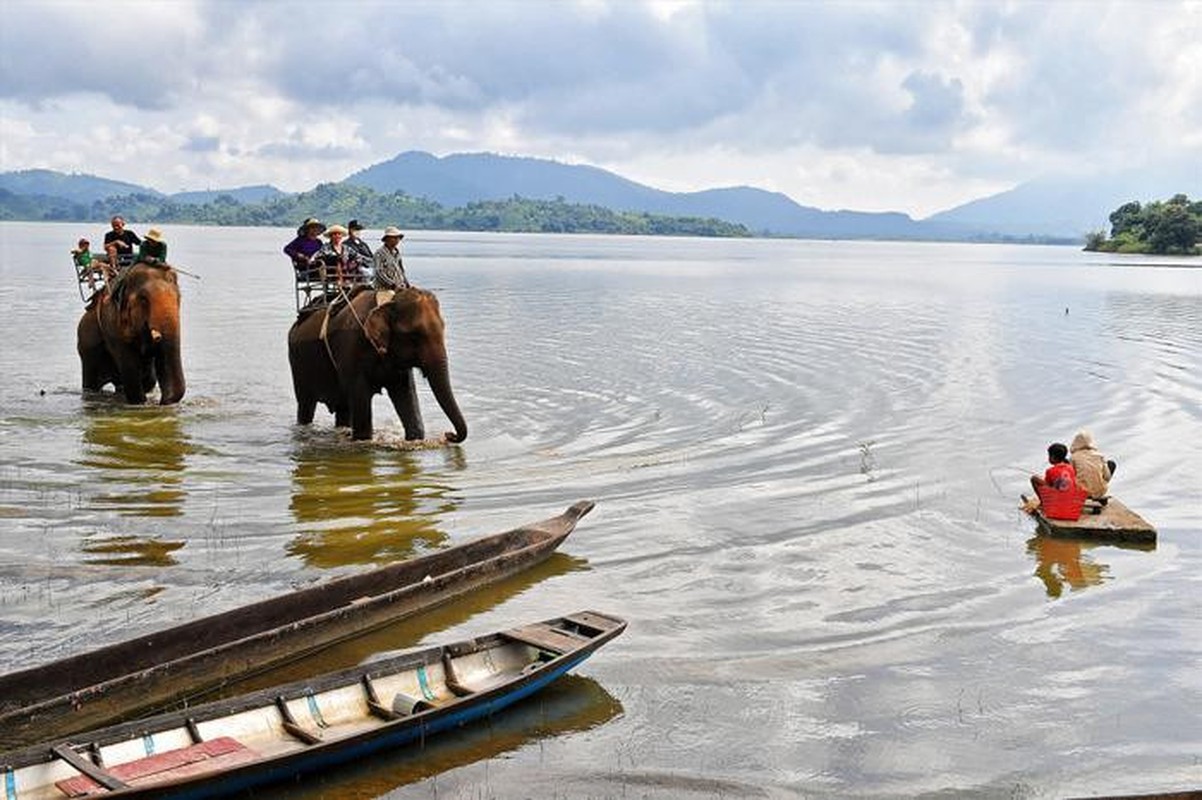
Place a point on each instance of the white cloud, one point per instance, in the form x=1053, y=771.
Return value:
x=874, y=106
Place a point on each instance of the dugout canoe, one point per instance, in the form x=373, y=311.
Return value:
x=1114, y=522
x=283, y=732
x=150, y=672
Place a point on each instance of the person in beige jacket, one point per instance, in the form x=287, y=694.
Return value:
x=1093, y=471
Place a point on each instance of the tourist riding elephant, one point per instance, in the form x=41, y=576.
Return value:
x=342, y=355
x=134, y=342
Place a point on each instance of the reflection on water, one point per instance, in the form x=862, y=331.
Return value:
x=572, y=704
x=363, y=505
x=1062, y=562
x=412, y=632
x=141, y=453
x=1067, y=562
x=131, y=551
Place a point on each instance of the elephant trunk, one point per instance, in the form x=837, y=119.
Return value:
x=163, y=324
x=438, y=375
x=169, y=369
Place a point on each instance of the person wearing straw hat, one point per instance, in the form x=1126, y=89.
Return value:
x=333, y=254
x=306, y=244
x=389, y=272
x=153, y=249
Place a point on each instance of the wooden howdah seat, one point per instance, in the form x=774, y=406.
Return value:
x=316, y=286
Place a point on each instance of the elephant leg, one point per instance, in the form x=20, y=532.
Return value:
x=98, y=369
x=342, y=415
x=403, y=394
x=305, y=408
x=131, y=379
x=93, y=378
x=359, y=399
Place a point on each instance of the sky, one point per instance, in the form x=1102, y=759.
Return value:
x=874, y=106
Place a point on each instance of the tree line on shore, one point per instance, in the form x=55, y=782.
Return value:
x=1172, y=226
x=375, y=209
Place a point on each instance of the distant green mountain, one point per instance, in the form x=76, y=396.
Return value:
x=1052, y=209
x=74, y=187
x=243, y=194
x=454, y=180
x=336, y=202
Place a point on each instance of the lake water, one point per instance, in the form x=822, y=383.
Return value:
x=806, y=458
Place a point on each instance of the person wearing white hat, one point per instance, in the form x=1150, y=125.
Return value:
x=333, y=255
x=386, y=264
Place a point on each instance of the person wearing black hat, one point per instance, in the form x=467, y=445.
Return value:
x=358, y=253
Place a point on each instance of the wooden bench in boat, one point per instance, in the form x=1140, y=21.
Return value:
x=221, y=753
x=555, y=639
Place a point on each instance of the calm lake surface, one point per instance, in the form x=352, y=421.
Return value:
x=806, y=458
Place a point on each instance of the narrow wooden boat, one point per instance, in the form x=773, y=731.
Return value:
x=112, y=683
x=278, y=733
x=1112, y=522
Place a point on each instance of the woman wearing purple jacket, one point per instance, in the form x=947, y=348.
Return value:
x=306, y=244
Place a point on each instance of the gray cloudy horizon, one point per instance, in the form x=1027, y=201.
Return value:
x=912, y=107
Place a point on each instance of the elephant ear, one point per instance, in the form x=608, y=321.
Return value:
x=378, y=328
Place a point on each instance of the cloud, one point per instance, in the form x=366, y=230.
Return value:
x=966, y=95
x=202, y=144
x=139, y=55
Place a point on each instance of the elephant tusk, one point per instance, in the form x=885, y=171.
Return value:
x=155, y=336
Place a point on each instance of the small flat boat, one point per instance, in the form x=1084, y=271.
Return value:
x=150, y=672
x=1108, y=522
x=276, y=734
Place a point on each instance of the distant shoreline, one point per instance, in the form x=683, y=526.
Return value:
x=135, y=219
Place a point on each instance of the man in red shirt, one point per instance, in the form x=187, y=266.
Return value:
x=1060, y=476
x=1057, y=488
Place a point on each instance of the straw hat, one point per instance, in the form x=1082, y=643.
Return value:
x=154, y=235
x=335, y=229
x=309, y=223
x=392, y=230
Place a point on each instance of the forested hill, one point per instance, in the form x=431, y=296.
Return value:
x=374, y=209
x=1169, y=227
x=467, y=189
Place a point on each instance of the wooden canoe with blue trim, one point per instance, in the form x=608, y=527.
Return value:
x=153, y=671
x=279, y=733
x=1111, y=522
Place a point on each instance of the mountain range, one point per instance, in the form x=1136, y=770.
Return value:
x=1050, y=208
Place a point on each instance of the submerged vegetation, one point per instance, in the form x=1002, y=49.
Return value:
x=1173, y=226
x=374, y=209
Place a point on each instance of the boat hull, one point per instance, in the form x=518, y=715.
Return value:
x=98, y=687
x=303, y=727
x=1114, y=523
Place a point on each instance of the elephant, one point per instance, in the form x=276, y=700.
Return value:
x=344, y=353
x=134, y=342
